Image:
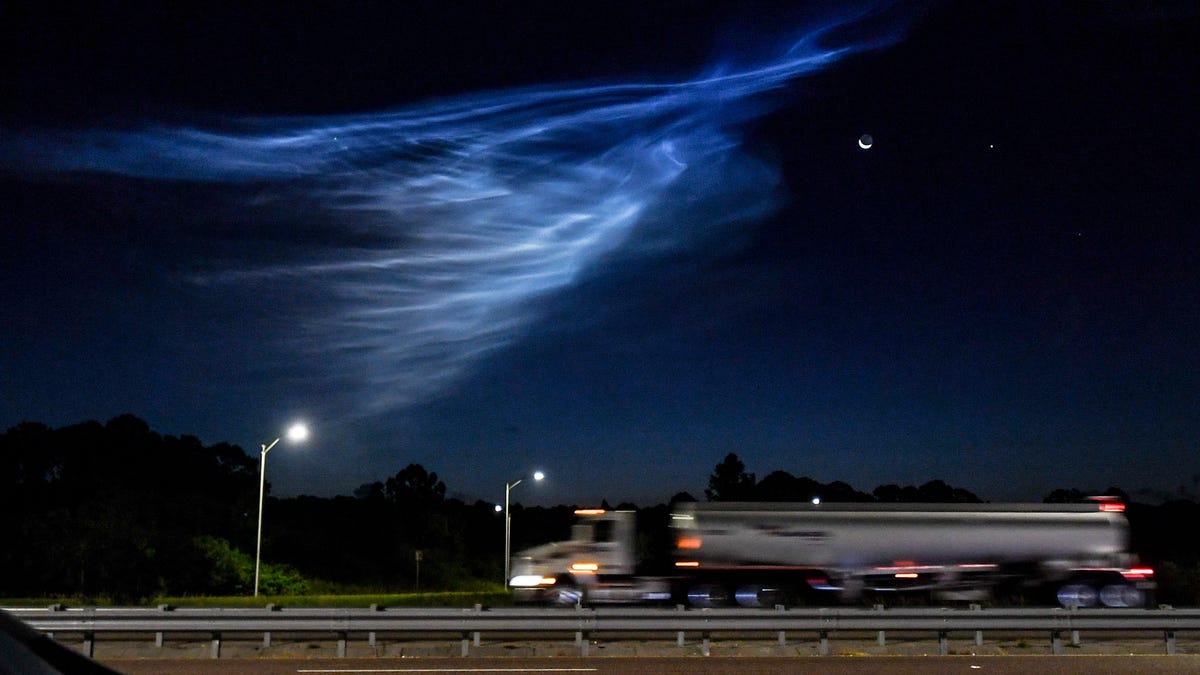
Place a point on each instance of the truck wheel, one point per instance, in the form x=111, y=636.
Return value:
x=567, y=596
x=758, y=596
x=1077, y=595
x=708, y=595
x=1122, y=595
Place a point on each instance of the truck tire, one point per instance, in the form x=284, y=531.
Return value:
x=708, y=595
x=757, y=595
x=567, y=593
x=1122, y=595
x=1077, y=595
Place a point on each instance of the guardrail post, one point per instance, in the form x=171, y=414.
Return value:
x=943, y=642
x=679, y=635
x=466, y=647
x=583, y=648
x=1169, y=637
x=478, y=608
x=824, y=643
x=375, y=607
x=1075, y=638
x=881, y=639
x=705, y=643
x=475, y=638
x=978, y=633
x=341, y=643
x=158, y=636
x=782, y=634
x=89, y=645
x=56, y=607
x=215, y=651
x=1055, y=642
x=271, y=607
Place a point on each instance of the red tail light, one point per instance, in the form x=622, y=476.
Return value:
x=1138, y=573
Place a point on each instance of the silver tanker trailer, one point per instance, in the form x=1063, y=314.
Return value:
x=762, y=554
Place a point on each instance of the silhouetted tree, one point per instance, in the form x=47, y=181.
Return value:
x=933, y=492
x=837, y=491
x=414, y=485
x=114, y=509
x=937, y=491
x=1065, y=496
x=781, y=486
x=892, y=493
x=370, y=491
x=681, y=497
x=729, y=481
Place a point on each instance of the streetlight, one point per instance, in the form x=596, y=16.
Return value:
x=296, y=434
x=537, y=475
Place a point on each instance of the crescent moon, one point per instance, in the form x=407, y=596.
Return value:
x=865, y=142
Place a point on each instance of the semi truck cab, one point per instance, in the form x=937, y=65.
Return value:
x=597, y=565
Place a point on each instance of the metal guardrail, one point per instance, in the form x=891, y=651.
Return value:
x=588, y=623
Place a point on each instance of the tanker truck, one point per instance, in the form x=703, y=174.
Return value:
x=764, y=554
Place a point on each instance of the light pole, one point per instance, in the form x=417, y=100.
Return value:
x=537, y=475
x=295, y=433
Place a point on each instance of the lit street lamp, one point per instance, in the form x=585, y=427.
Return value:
x=537, y=475
x=296, y=434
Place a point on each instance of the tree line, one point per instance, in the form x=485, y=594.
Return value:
x=117, y=510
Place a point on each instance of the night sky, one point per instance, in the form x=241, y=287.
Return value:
x=614, y=241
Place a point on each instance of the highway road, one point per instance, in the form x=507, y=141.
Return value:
x=691, y=665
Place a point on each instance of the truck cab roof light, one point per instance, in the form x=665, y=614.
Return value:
x=687, y=563
x=590, y=512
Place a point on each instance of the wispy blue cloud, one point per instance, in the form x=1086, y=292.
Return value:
x=480, y=206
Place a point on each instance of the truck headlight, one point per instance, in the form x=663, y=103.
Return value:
x=530, y=581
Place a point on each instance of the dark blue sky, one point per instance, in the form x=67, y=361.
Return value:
x=614, y=242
